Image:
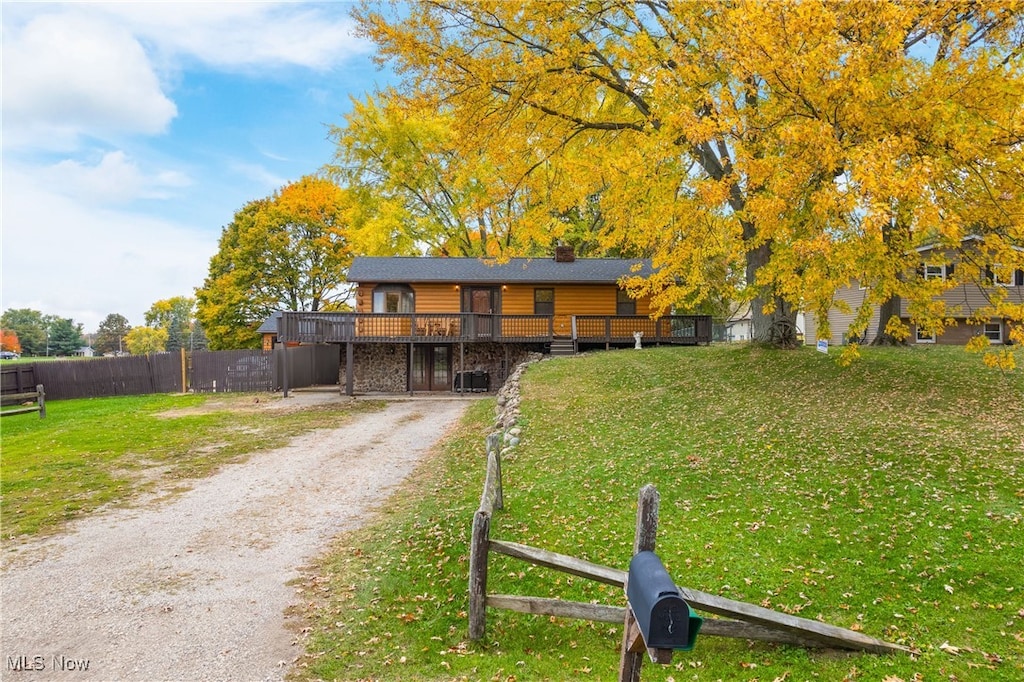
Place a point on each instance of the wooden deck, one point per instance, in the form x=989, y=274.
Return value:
x=475, y=328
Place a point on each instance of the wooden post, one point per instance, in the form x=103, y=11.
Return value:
x=349, y=370
x=41, y=400
x=184, y=372
x=478, y=547
x=282, y=353
x=493, y=480
x=644, y=540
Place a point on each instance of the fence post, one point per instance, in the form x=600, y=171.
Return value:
x=643, y=541
x=478, y=574
x=494, y=450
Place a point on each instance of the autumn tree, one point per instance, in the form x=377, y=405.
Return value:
x=415, y=187
x=177, y=315
x=765, y=151
x=30, y=327
x=9, y=341
x=289, y=251
x=144, y=340
x=111, y=333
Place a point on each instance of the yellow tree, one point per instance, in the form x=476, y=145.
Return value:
x=289, y=251
x=417, y=188
x=144, y=340
x=761, y=148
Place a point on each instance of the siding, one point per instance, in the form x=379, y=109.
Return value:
x=839, y=322
x=516, y=299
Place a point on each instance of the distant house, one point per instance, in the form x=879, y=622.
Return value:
x=84, y=352
x=421, y=324
x=737, y=326
x=967, y=297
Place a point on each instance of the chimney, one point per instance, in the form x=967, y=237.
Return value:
x=564, y=254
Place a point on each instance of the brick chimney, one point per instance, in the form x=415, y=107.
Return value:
x=564, y=254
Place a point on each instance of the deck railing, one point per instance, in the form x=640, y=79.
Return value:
x=472, y=327
x=680, y=329
x=412, y=327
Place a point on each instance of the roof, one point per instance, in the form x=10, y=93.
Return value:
x=474, y=270
x=269, y=325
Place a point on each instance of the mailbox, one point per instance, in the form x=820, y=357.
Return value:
x=664, y=619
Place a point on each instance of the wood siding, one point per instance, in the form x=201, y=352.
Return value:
x=515, y=299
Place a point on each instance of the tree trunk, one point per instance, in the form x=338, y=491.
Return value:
x=891, y=308
x=777, y=328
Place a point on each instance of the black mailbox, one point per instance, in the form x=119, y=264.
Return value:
x=665, y=620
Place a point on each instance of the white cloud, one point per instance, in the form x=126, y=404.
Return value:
x=67, y=74
x=247, y=34
x=115, y=179
x=64, y=258
x=105, y=70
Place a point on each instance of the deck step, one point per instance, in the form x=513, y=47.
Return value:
x=562, y=347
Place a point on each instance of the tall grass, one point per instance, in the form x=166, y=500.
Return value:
x=884, y=497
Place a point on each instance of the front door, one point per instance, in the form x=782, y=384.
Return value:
x=482, y=303
x=432, y=368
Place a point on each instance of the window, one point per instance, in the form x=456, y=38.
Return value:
x=624, y=305
x=1015, y=278
x=543, y=301
x=935, y=271
x=393, y=298
x=994, y=331
x=924, y=337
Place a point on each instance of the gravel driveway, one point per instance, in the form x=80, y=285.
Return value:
x=195, y=587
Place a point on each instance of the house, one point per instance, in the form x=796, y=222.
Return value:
x=963, y=299
x=437, y=324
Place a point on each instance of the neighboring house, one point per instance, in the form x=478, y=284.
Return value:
x=430, y=324
x=966, y=297
x=84, y=352
x=737, y=326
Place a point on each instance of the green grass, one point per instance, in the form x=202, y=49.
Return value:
x=91, y=452
x=885, y=496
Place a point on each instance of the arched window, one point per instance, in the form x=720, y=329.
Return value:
x=394, y=298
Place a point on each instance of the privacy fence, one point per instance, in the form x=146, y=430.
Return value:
x=200, y=371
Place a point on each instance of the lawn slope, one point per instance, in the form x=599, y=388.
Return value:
x=884, y=497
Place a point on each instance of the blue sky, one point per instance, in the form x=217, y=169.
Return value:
x=132, y=132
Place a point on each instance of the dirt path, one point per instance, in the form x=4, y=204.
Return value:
x=195, y=588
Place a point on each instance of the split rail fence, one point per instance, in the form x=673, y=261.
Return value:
x=736, y=619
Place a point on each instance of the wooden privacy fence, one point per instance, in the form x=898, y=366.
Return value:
x=200, y=371
x=102, y=377
x=737, y=619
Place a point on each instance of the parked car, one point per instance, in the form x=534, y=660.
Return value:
x=8, y=355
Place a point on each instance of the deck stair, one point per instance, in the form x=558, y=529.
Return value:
x=562, y=347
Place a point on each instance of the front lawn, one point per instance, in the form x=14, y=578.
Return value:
x=884, y=497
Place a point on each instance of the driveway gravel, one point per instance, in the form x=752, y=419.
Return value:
x=195, y=586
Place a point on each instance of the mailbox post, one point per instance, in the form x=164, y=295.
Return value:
x=658, y=620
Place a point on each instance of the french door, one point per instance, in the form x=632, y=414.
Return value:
x=432, y=368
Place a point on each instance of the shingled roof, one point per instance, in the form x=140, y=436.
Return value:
x=477, y=271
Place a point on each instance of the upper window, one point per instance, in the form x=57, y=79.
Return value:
x=1011, y=279
x=934, y=271
x=543, y=301
x=994, y=331
x=624, y=305
x=393, y=298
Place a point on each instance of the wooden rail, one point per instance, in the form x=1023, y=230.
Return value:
x=37, y=396
x=473, y=327
x=736, y=619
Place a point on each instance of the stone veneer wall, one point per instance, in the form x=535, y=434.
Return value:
x=378, y=368
x=497, y=359
x=383, y=367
